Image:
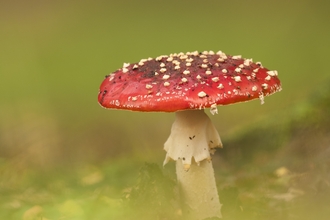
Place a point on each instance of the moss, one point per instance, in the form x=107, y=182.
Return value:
x=154, y=195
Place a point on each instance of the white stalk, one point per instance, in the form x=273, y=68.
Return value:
x=198, y=191
x=192, y=140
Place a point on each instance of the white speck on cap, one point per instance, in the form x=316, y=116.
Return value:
x=224, y=71
x=166, y=83
x=184, y=80
x=223, y=56
x=162, y=64
x=111, y=78
x=163, y=70
x=198, y=77
x=247, y=62
x=254, y=88
x=177, y=67
x=134, y=98
x=190, y=60
x=188, y=64
x=169, y=59
x=125, y=70
x=183, y=57
x=125, y=65
x=215, y=79
x=272, y=73
x=135, y=66
x=220, y=86
x=166, y=76
x=237, y=78
x=236, y=57
x=268, y=78
x=186, y=72
x=238, y=70
x=195, y=53
x=148, y=86
x=208, y=72
x=159, y=58
x=204, y=65
x=201, y=94
x=264, y=85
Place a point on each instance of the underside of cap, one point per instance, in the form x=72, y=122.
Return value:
x=187, y=81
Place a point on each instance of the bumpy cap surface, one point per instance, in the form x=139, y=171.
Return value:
x=187, y=81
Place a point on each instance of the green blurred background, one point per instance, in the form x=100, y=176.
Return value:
x=55, y=54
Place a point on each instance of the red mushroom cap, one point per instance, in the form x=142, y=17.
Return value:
x=187, y=81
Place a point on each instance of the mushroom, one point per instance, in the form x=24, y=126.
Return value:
x=187, y=83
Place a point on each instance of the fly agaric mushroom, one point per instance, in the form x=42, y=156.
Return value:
x=187, y=83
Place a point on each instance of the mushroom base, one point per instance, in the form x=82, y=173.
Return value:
x=198, y=191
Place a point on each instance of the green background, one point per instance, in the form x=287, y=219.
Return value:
x=55, y=54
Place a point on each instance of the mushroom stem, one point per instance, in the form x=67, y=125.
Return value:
x=198, y=191
x=192, y=140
